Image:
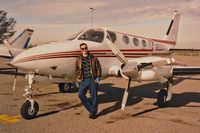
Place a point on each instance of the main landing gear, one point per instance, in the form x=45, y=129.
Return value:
x=65, y=87
x=125, y=97
x=30, y=108
x=165, y=95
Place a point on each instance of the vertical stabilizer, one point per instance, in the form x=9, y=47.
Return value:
x=22, y=41
x=172, y=31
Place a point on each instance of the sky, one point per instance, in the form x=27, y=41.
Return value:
x=55, y=20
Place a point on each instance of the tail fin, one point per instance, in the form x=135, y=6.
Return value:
x=172, y=31
x=22, y=41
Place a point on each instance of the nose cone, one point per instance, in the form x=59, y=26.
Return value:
x=41, y=56
x=26, y=60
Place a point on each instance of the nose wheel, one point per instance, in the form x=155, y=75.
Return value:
x=29, y=112
x=30, y=108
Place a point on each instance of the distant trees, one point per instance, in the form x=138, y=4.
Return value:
x=6, y=26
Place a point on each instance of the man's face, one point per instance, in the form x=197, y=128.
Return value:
x=84, y=49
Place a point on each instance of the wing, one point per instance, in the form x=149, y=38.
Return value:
x=183, y=50
x=5, y=56
x=179, y=70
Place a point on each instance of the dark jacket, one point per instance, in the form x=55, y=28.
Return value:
x=95, y=67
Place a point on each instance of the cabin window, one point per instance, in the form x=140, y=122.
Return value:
x=112, y=36
x=95, y=35
x=125, y=39
x=144, y=43
x=136, y=41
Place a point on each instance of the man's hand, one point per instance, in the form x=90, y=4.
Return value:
x=97, y=80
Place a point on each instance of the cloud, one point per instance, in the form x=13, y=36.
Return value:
x=54, y=11
x=107, y=11
x=52, y=17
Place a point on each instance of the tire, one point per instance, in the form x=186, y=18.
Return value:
x=26, y=111
x=161, y=99
x=65, y=87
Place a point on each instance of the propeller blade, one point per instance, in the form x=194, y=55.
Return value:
x=117, y=52
x=10, y=49
x=15, y=80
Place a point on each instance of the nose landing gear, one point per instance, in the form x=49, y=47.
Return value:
x=30, y=108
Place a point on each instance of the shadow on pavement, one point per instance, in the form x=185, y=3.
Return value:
x=136, y=95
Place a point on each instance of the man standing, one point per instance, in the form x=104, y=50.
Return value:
x=88, y=73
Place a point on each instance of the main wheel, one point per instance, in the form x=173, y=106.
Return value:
x=65, y=87
x=27, y=112
x=161, y=99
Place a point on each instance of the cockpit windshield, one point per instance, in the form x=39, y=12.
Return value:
x=73, y=36
x=96, y=35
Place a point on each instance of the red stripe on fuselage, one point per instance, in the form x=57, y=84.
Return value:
x=94, y=51
x=98, y=53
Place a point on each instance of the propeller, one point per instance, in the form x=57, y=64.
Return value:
x=131, y=69
x=15, y=80
x=10, y=50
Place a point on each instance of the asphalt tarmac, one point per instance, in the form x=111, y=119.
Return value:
x=63, y=112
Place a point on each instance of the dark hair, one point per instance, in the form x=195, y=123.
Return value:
x=83, y=44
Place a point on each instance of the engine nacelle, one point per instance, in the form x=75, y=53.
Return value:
x=114, y=70
x=130, y=70
x=157, y=73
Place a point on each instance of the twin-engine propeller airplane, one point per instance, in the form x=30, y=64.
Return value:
x=131, y=57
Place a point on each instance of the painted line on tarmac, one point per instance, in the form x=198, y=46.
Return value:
x=5, y=119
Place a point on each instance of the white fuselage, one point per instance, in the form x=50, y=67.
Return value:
x=58, y=59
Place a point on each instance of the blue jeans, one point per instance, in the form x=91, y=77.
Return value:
x=90, y=104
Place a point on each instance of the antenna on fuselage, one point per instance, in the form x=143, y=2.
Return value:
x=92, y=9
